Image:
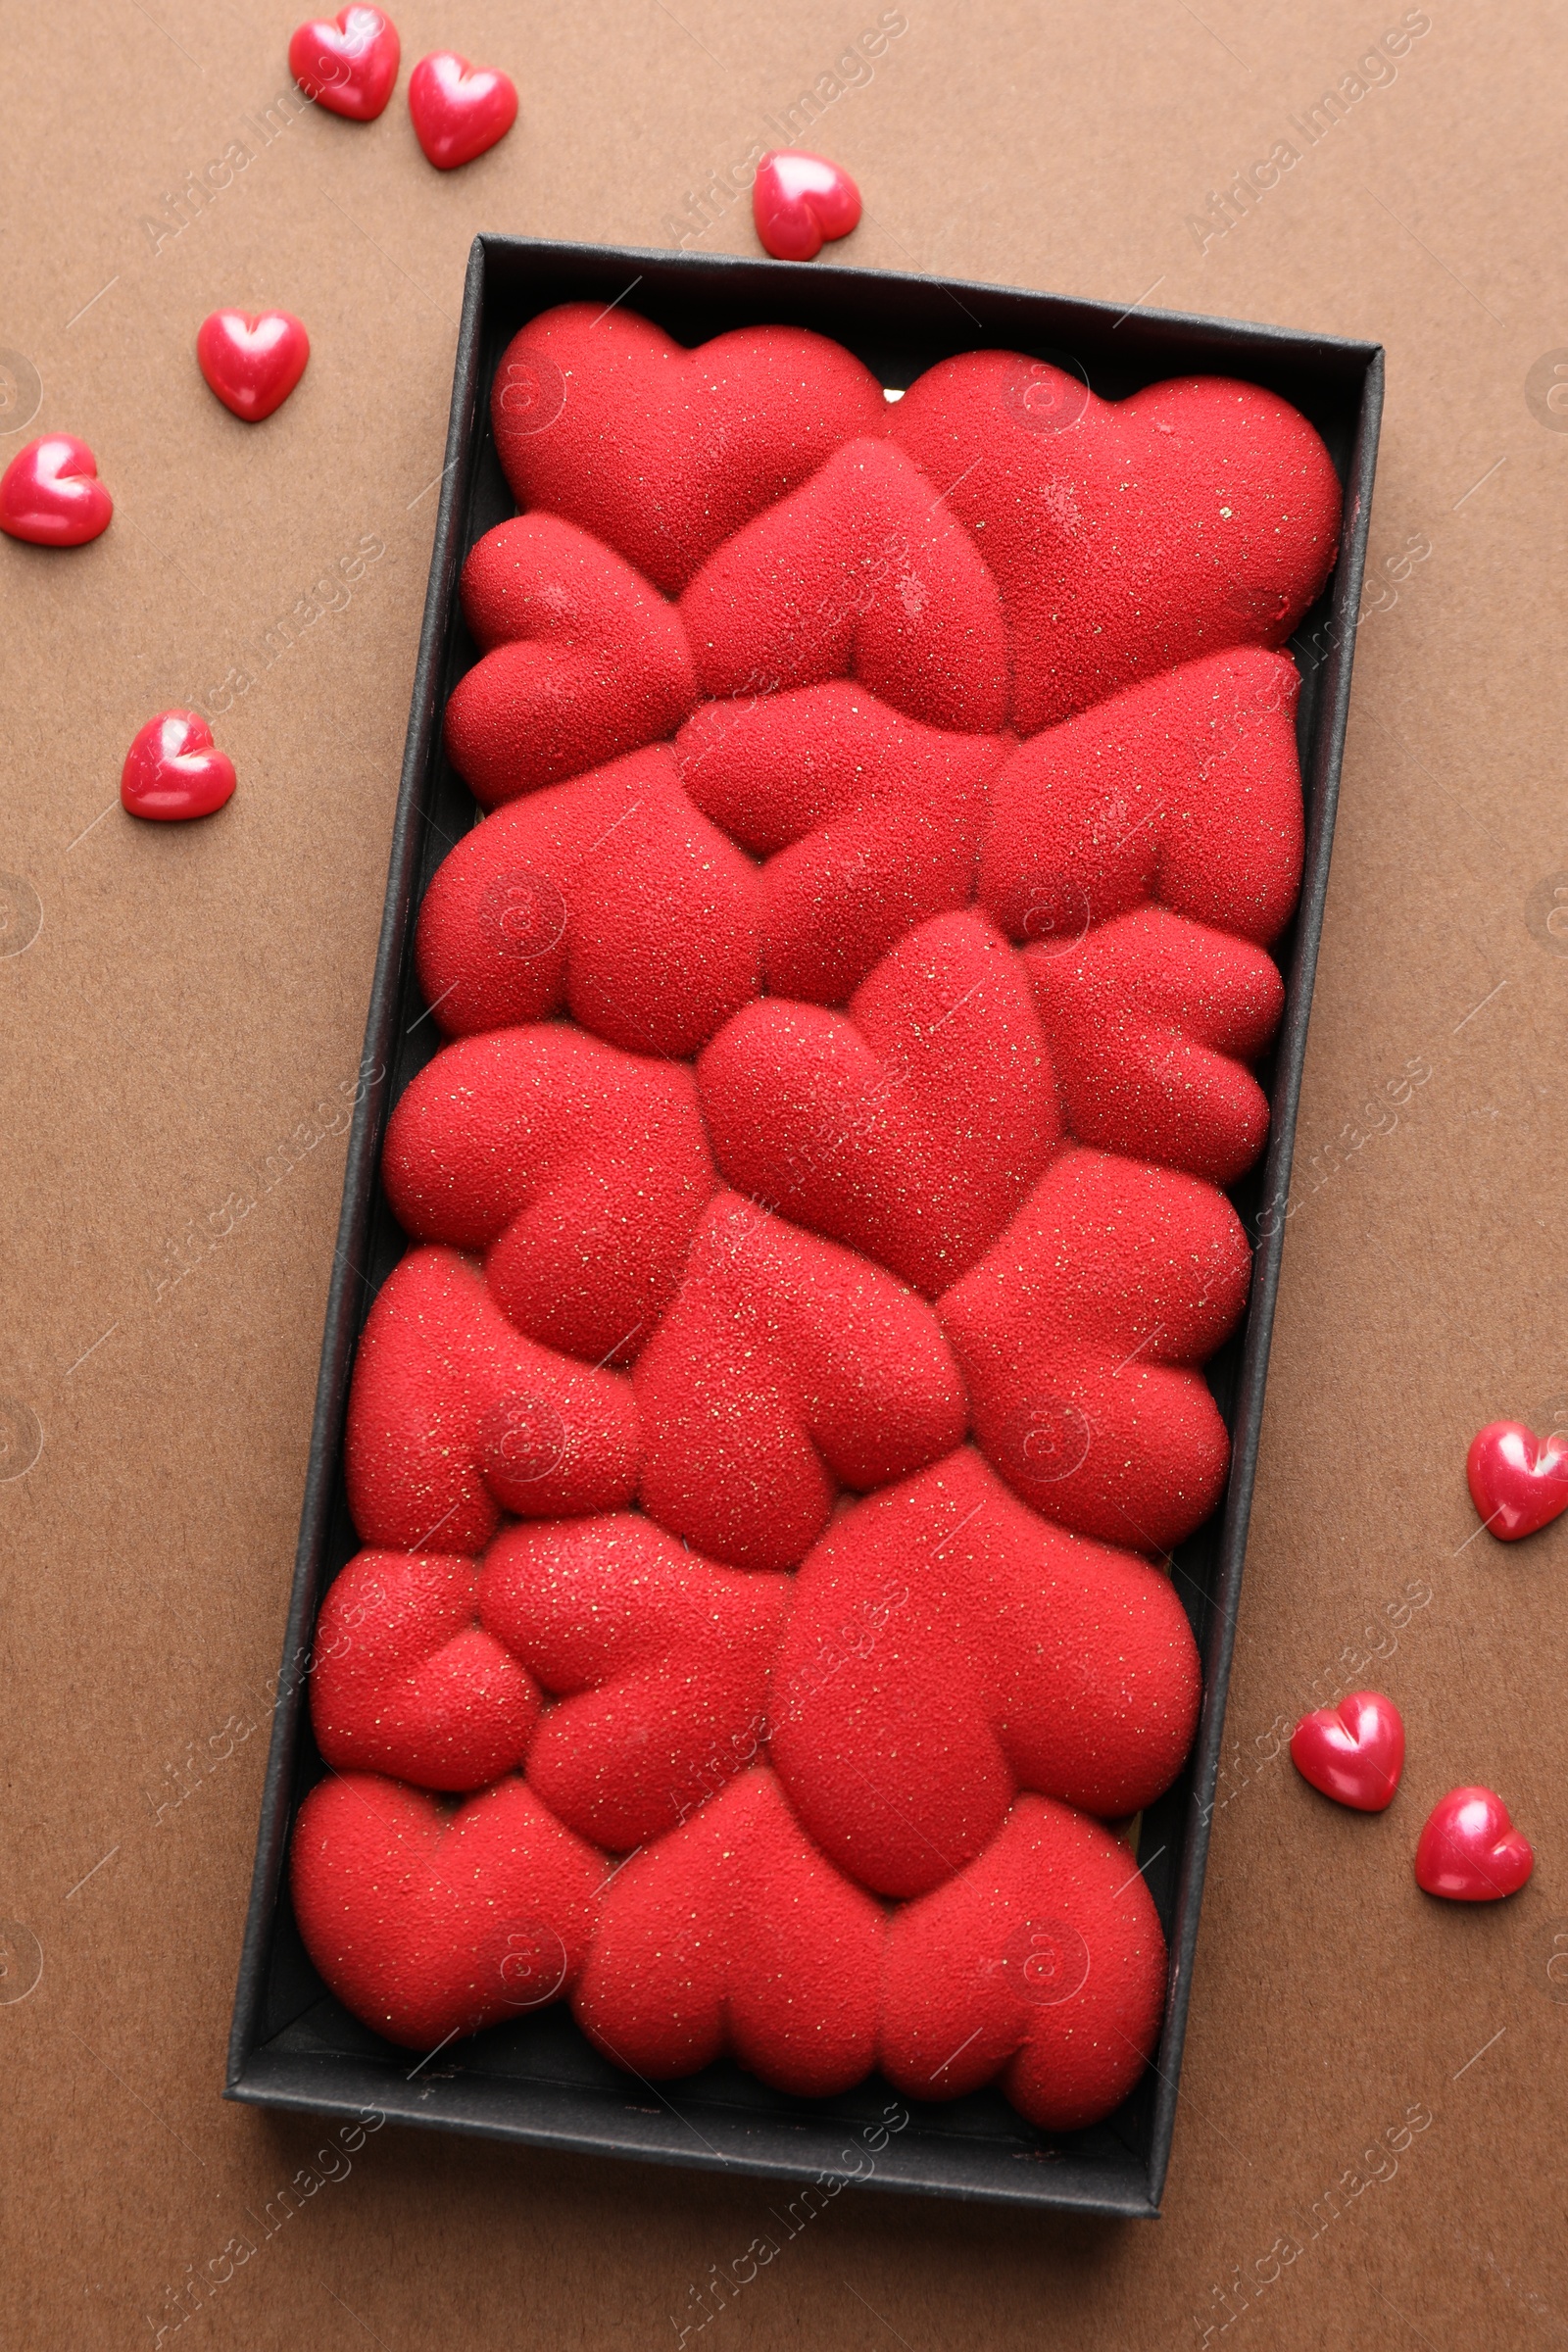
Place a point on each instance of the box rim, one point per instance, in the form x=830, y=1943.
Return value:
x=844, y=273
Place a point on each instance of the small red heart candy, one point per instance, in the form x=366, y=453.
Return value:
x=174, y=769
x=800, y=200
x=50, y=493
x=252, y=359
x=1470, y=1850
x=349, y=63
x=459, y=110
x=1353, y=1752
x=1516, y=1482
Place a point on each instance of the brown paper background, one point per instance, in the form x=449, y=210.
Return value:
x=194, y=992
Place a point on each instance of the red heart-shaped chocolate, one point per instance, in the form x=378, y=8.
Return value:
x=1184, y=790
x=659, y=1660
x=428, y=1919
x=786, y=1368
x=909, y=1128
x=734, y=1934
x=612, y=897
x=863, y=573
x=1470, y=1850
x=406, y=1681
x=868, y=821
x=1042, y=1963
x=1353, y=1752
x=1150, y=1022
x=174, y=769
x=800, y=200
x=252, y=359
x=1517, y=1484
x=582, y=661
x=661, y=452
x=1126, y=536
x=1079, y=1335
x=459, y=110
x=346, y=64
x=947, y=1648
x=455, y=1415
x=50, y=493
x=581, y=1170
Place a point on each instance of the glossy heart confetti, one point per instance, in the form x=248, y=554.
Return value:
x=801, y=201
x=252, y=359
x=50, y=493
x=1353, y=1752
x=459, y=110
x=1470, y=1851
x=346, y=64
x=1517, y=1484
x=174, y=770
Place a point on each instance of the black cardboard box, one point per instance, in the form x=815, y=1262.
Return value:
x=539, y=2080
